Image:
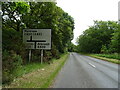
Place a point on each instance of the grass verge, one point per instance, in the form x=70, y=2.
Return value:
x=40, y=77
x=22, y=70
x=116, y=61
x=112, y=56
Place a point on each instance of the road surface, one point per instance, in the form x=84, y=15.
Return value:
x=86, y=72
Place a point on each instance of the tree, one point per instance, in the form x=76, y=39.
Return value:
x=96, y=36
x=12, y=12
x=115, y=40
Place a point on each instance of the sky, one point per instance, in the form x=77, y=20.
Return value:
x=85, y=11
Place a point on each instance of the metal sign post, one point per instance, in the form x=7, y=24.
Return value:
x=41, y=56
x=29, y=55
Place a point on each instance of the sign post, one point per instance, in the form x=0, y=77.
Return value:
x=29, y=55
x=41, y=56
x=37, y=39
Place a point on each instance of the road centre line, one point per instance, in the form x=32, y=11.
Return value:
x=92, y=65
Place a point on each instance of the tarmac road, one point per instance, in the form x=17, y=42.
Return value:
x=86, y=72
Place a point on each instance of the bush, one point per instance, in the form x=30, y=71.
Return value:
x=10, y=61
x=47, y=56
x=55, y=53
x=104, y=49
x=12, y=41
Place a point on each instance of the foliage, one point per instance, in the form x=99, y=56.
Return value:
x=104, y=49
x=88, y=44
x=115, y=42
x=12, y=40
x=71, y=47
x=14, y=62
x=12, y=12
x=97, y=38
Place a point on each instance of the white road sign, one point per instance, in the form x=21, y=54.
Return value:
x=37, y=38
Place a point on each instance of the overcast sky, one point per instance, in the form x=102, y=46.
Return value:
x=85, y=11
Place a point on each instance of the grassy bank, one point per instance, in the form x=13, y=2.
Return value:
x=107, y=57
x=37, y=75
x=112, y=56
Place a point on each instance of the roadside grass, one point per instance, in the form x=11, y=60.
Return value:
x=106, y=57
x=37, y=75
x=112, y=56
x=30, y=67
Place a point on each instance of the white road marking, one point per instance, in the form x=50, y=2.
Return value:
x=92, y=65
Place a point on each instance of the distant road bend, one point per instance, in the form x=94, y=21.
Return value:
x=86, y=72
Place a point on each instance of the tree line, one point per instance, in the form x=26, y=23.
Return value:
x=102, y=37
x=17, y=16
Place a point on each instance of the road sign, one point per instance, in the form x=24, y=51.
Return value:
x=37, y=38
